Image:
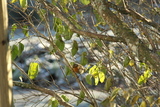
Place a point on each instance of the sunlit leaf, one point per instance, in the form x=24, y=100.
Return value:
x=65, y=98
x=158, y=101
x=81, y=97
x=145, y=76
x=60, y=44
x=111, y=53
x=131, y=62
x=88, y=79
x=23, y=4
x=96, y=80
x=74, y=0
x=134, y=99
x=150, y=99
x=101, y=77
x=74, y=48
x=85, y=2
x=14, y=52
x=126, y=95
x=143, y=104
x=126, y=61
x=33, y=70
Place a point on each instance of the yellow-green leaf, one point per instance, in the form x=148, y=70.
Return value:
x=74, y=48
x=25, y=30
x=85, y=2
x=13, y=1
x=134, y=99
x=74, y=0
x=13, y=28
x=53, y=102
x=33, y=70
x=145, y=76
x=143, y=104
x=111, y=53
x=24, y=4
x=65, y=98
x=131, y=62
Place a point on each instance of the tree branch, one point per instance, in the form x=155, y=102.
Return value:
x=134, y=14
x=43, y=90
x=121, y=29
x=64, y=18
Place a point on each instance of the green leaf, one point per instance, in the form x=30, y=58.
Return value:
x=24, y=4
x=14, y=52
x=25, y=31
x=33, y=70
x=13, y=28
x=60, y=44
x=81, y=97
x=85, y=2
x=67, y=33
x=21, y=48
x=66, y=99
x=99, y=42
x=106, y=102
x=108, y=83
x=88, y=79
x=74, y=48
x=126, y=61
x=84, y=59
x=67, y=70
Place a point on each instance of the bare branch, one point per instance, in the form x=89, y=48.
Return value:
x=44, y=90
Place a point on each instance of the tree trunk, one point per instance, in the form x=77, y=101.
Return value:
x=5, y=59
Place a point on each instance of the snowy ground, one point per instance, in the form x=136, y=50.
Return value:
x=31, y=98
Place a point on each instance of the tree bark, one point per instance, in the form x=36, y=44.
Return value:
x=5, y=59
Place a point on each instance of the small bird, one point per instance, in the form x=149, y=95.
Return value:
x=77, y=68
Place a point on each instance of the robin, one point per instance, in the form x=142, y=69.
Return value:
x=77, y=68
